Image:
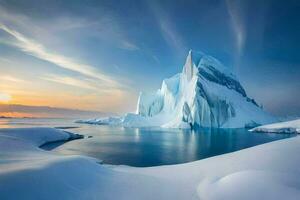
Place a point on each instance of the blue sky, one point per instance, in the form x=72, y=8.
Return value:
x=98, y=55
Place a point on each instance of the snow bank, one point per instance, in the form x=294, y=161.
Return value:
x=261, y=172
x=38, y=136
x=282, y=127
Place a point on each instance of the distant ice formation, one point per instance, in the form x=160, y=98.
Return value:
x=281, y=127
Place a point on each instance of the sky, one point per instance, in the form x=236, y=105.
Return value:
x=98, y=55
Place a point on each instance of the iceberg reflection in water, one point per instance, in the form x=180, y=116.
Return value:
x=155, y=146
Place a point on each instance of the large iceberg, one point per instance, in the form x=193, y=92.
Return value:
x=205, y=94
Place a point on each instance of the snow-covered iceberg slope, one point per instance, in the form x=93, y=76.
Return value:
x=261, y=172
x=281, y=127
x=204, y=94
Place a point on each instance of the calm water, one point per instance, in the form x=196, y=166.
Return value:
x=148, y=147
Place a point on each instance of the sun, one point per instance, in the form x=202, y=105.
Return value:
x=4, y=97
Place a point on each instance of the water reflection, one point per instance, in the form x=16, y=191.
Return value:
x=150, y=147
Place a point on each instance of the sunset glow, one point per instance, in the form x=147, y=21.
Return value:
x=4, y=98
x=88, y=59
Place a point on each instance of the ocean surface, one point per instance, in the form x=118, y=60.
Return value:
x=145, y=147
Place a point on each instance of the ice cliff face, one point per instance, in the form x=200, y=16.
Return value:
x=204, y=94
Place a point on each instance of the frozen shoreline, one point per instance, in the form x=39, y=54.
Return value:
x=289, y=127
x=28, y=172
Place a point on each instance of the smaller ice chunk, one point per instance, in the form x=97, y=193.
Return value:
x=102, y=121
x=281, y=127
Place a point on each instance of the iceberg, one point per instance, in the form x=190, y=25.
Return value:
x=205, y=94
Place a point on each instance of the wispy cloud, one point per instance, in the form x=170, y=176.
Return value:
x=46, y=39
x=110, y=29
x=38, y=50
x=168, y=28
x=170, y=35
x=129, y=46
x=66, y=80
x=238, y=28
x=155, y=58
x=10, y=78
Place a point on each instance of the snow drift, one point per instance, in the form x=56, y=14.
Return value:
x=204, y=94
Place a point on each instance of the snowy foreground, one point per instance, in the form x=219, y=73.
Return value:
x=282, y=127
x=27, y=172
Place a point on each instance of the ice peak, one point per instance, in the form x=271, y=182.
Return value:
x=195, y=56
x=191, y=63
x=202, y=60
